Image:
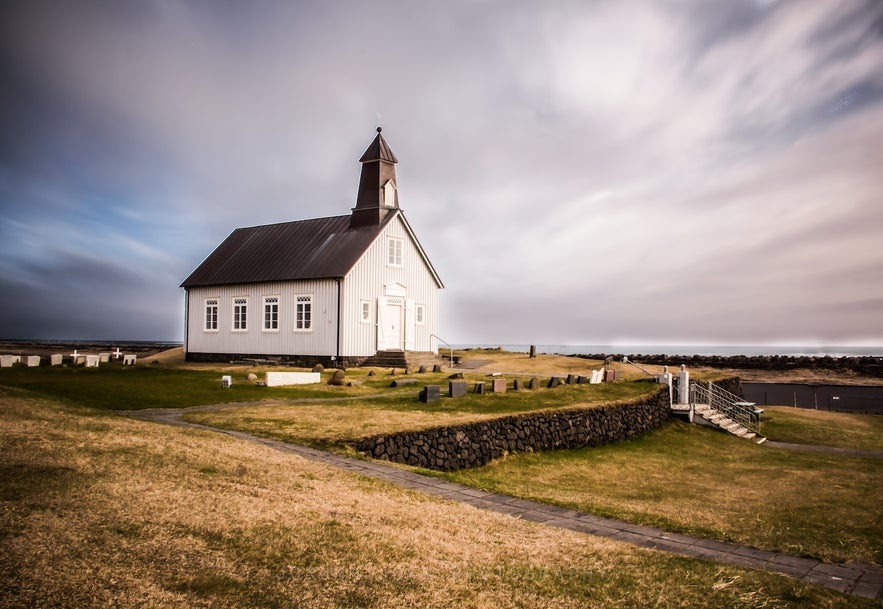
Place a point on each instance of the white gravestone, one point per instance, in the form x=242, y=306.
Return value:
x=104, y=357
x=92, y=361
x=33, y=361
x=56, y=359
x=129, y=360
x=276, y=379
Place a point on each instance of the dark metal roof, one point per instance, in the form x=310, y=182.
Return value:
x=378, y=150
x=307, y=249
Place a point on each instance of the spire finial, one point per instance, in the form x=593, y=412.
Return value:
x=379, y=121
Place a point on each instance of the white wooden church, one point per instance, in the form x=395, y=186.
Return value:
x=334, y=290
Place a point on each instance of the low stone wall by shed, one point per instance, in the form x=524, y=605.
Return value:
x=476, y=444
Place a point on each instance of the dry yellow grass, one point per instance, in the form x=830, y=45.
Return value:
x=98, y=510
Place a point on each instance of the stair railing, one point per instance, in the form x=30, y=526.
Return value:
x=441, y=340
x=729, y=404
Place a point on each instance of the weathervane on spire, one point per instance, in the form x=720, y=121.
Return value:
x=379, y=121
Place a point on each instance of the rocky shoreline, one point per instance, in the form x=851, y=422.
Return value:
x=867, y=366
x=45, y=348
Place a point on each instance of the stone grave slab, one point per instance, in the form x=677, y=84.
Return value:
x=279, y=379
x=456, y=389
x=430, y=393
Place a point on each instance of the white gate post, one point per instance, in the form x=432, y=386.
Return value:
x=683, y=385
x=665, y=378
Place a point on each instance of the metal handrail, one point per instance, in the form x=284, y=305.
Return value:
x=729, y=404
x=441, y=340
x=626, y=360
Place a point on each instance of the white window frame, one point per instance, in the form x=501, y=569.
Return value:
x=303, y=303
x=365, y=312
x=240, y=314
x=271, y=307
x=395, y=252
x=420, y=314
x=210, y=316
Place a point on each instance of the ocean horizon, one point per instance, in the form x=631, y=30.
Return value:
x=587, y=349
x=687, y=350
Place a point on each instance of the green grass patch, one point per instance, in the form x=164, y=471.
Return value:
x=113, y=387
x=702, y=482
x=337, y=424
x=121, y=512
x=841, y=430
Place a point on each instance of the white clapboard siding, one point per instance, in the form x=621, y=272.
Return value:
x=367, y=281
x=321, y=340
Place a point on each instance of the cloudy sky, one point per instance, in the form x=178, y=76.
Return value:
x=669, y=172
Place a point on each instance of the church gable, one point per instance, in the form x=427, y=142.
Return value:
x=341, y=286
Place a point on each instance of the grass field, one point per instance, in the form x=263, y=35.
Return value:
x=804, y=426
x=100, y=510
x=97, y=509
x=699, y=481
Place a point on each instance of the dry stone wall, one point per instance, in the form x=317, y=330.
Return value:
x=475, y=444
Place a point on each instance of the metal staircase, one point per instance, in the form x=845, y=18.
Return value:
x=726, y=411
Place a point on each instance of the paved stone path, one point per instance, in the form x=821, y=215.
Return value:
x=854, y=578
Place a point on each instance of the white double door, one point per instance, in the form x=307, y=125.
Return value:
x=395, y=323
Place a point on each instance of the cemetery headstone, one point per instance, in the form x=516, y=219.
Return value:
x=403, y=382
x=430, y=393
x=456, y=389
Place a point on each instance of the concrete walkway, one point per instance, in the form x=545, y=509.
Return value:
x=853, y=578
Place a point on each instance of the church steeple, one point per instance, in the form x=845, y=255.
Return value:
x=378, y=193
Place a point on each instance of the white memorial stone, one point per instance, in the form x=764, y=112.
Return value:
x=117, y=354
x=33, y=361
x=6, y=361
x=56, y=359
x=92, y=361
x=104, y=357
x=276, y=379
x=129, y=360
x=226, y=381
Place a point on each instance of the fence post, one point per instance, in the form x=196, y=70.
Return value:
x=683, y=385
